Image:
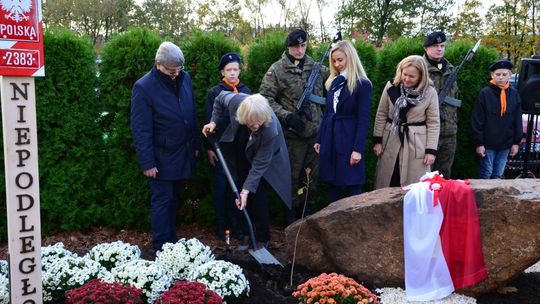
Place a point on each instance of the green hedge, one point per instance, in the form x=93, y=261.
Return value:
x=88, y=169
x=369, y=58
x=71, y=159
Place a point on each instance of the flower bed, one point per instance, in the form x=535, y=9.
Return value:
x=333, y=288
x=115, y=273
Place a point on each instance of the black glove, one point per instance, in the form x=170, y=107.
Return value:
x=294, y=122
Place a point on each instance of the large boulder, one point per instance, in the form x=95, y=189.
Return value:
x=362, y=236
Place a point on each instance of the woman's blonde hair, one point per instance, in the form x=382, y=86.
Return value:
x=355, y=70
x=420, y=64
x=255, y=108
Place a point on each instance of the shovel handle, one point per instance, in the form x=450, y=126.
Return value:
x=234, y=189
x=212, y=138
x=250, y=226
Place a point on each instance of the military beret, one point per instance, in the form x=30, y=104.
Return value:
x=228, y=58
x=501, y=64
x=435, y=37
x=296, y=37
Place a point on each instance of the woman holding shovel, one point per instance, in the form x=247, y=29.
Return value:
x=258, y=152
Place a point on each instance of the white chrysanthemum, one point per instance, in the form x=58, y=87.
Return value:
x=225, y=278
x=110, y=255
x=398, y=296
x=4, y=268
x=180, y=258
x=68, y=273
x=52, y=253
x=149, y=276
x=4, y=288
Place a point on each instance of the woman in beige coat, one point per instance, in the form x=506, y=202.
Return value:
x=406, y=128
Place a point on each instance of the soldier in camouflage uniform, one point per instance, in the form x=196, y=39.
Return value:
x=439, y=70
x=283, y=86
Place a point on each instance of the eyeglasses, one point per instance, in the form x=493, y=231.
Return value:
x=172, y=71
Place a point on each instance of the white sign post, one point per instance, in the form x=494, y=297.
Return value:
x=22, y=188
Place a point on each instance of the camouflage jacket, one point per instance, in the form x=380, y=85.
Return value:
x=449, y=112
x=283, y=85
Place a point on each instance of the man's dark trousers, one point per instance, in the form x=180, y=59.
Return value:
x=164, y=206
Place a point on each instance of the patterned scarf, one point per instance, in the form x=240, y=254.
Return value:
x=403, y=100
x=232, y=85
x=337, y=84
x=503, y=95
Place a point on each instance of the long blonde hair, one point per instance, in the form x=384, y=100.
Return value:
x=420, y=64
x=355, y=69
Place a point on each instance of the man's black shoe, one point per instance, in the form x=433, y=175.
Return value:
x=148, y=254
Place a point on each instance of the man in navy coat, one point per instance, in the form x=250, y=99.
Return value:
x=164, y=129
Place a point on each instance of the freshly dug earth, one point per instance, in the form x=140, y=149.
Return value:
x=270, y=284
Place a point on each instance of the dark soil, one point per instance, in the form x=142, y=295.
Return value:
x=270, y=284
x=528, y=291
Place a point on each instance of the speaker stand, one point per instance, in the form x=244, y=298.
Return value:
x=525, y=172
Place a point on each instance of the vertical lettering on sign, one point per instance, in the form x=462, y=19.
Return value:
x=22, y=188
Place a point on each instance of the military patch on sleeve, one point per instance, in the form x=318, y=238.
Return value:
x=269, y=73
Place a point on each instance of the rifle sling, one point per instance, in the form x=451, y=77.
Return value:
x=317, y=99
x=452, y=101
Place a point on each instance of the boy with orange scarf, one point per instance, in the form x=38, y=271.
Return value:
x=229, y=67
x=496, y=122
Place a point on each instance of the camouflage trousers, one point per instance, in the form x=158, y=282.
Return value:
x=304, y=173
x=445, y=155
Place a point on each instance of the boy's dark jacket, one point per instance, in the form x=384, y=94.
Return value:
x=491, y=130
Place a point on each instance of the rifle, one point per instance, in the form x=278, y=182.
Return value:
x=301, y=105
x=445, y=89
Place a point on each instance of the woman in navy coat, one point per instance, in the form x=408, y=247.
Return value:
x=259, y=153
x=344, y=129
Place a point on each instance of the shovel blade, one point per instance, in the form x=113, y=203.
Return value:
x=263, y=256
